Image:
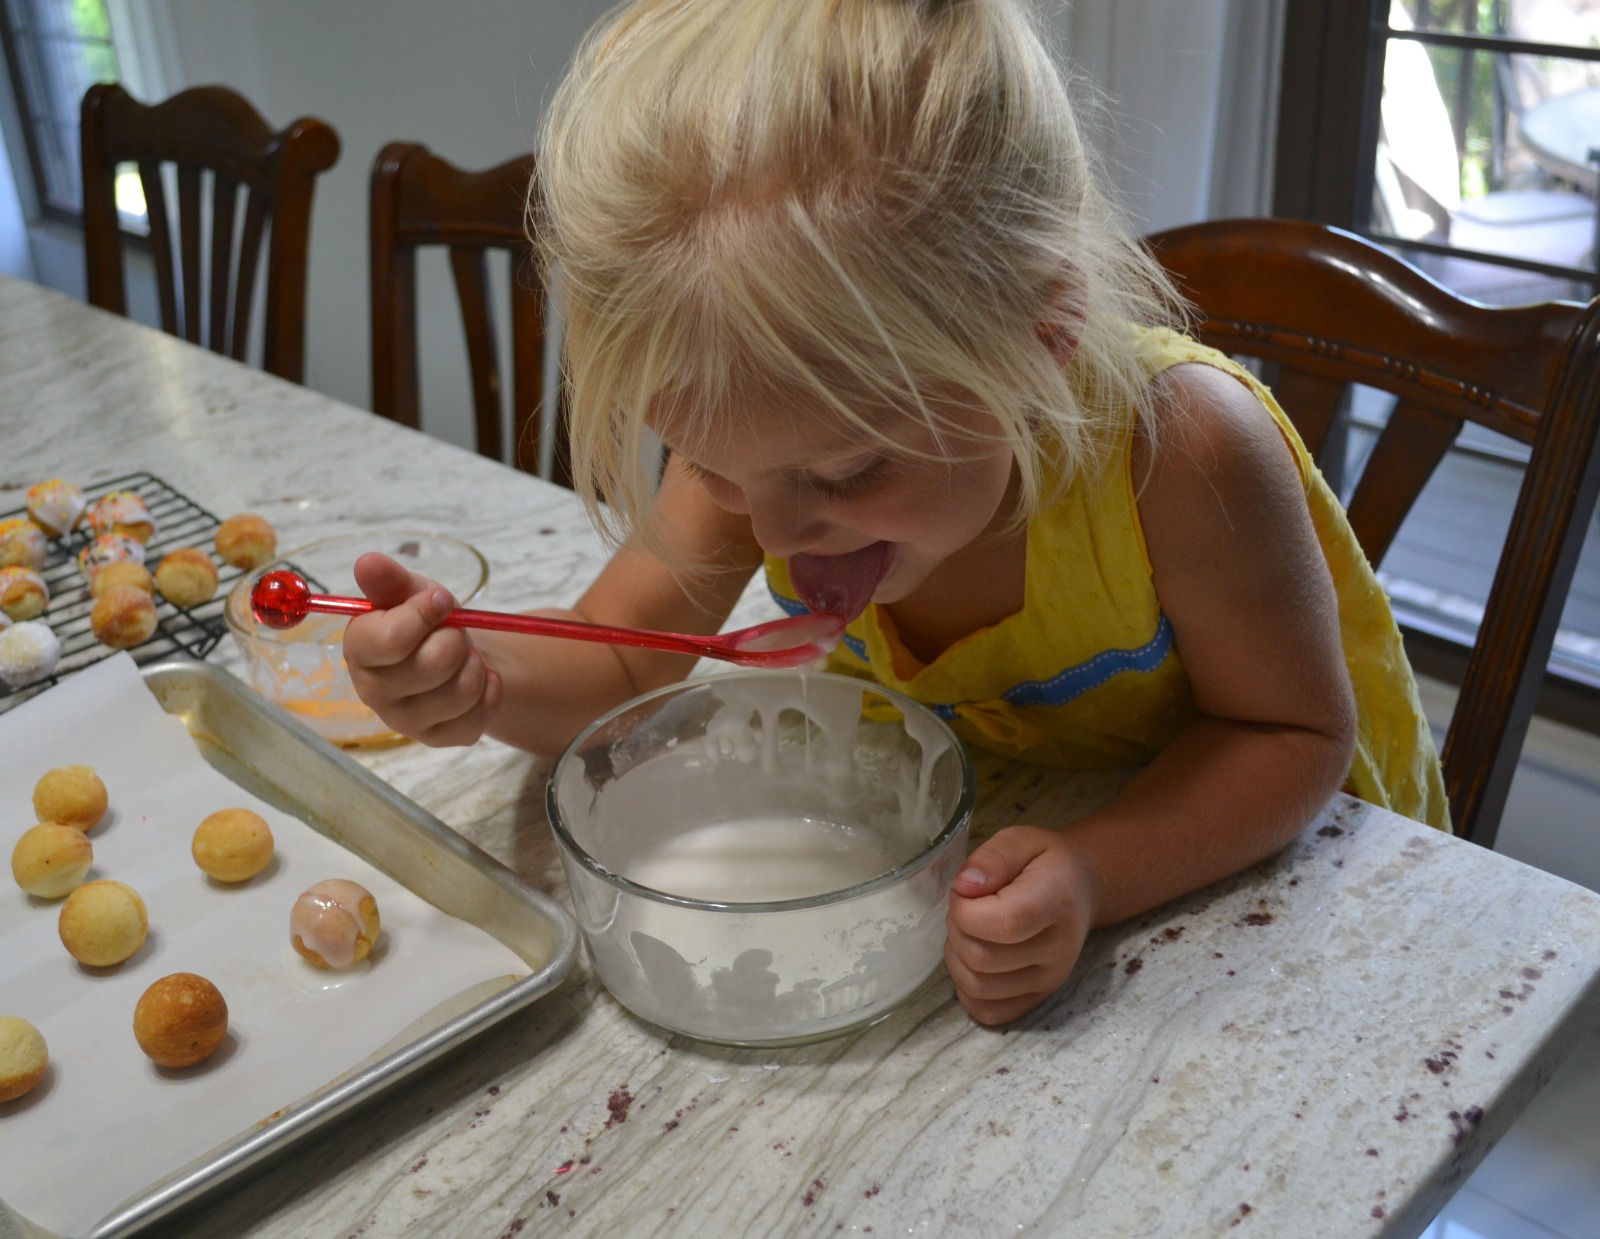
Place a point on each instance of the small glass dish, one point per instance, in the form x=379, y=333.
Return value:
x=302, y=668
x=763, y=857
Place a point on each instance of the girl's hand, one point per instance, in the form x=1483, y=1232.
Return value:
x=1019, y=913
x=425, y=681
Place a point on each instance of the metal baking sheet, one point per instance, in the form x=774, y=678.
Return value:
x=284, y=763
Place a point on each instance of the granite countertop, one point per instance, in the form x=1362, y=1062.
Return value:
x=1324, y=1045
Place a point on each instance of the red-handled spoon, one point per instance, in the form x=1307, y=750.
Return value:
x=282, y=599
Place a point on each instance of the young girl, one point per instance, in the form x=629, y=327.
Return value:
x=848, y=260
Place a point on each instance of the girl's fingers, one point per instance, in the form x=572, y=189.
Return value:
x=993, y=1013
x=461, y=706
x=385, y=582
x=387, y=637
x=1030, y=978
x=999, y=861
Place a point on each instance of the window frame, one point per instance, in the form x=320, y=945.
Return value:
x=1327, y=145
x=45, y=208
x=1330, y=99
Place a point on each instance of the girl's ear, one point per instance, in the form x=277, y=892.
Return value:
x=1060, y=325
x=1061, y=338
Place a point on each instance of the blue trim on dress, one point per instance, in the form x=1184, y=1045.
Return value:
x=1058, y=689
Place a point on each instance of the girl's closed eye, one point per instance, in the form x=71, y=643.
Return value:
x=850, y=478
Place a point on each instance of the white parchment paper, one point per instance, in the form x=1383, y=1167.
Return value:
x=106, y=1122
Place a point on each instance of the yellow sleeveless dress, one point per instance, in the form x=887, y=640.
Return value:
x=1086, y=675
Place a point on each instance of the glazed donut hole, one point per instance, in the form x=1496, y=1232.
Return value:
x=334, y=924
x=71, y=794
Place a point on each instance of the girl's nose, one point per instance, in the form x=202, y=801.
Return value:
x=784, y=525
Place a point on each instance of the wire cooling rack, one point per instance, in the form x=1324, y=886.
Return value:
x=194, y=631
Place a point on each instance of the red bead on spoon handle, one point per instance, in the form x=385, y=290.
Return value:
x=282, y=599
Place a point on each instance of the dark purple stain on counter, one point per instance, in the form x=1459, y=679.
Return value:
x=1532, y=974
x=514, y=1229
x=546, y=531
x=669, y=1125
x=1402, y=1114
x=1372, y=1152
x=1245, y=1211
x=1377, y=1211
x=810, y=1197
x=493, y=1090
x=1547, y=956
x=872, y=1191
x=1257, y=918
x=1440, y=1062
x=618, y=1104
x=1002, y=1071
x=419, y=1165
x=1463, y=1121
x=1329, y=832
x=1133, y=965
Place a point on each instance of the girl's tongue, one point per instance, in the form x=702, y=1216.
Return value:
x=841, y=585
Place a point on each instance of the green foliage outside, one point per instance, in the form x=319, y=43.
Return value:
x=1489, y=157
x=90, y=22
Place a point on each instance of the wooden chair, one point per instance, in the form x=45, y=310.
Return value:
x=207, y=129
x=419, y=199
x=1326, y=309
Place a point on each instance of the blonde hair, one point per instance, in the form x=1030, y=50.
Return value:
x=878, y=203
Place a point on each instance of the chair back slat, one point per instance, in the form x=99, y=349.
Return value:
x=419, y=201
x=189, y=227
x=207, y=130
x=1320, y=302
x=1554, y=509
x=1408, y=450
x=527, y=348
x=155, y=202
x=224, y=202
x=244, y=297
x=472, y=290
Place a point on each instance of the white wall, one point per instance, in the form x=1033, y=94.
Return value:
x=1190, y=98
x=469, y=79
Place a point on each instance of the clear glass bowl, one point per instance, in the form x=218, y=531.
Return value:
x=763, y=858
x=302, y=668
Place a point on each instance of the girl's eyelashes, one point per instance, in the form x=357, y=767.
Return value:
x=856, y=482
x=858, y=479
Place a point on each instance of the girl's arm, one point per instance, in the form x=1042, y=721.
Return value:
x=445, y=687
x=1242, y=578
